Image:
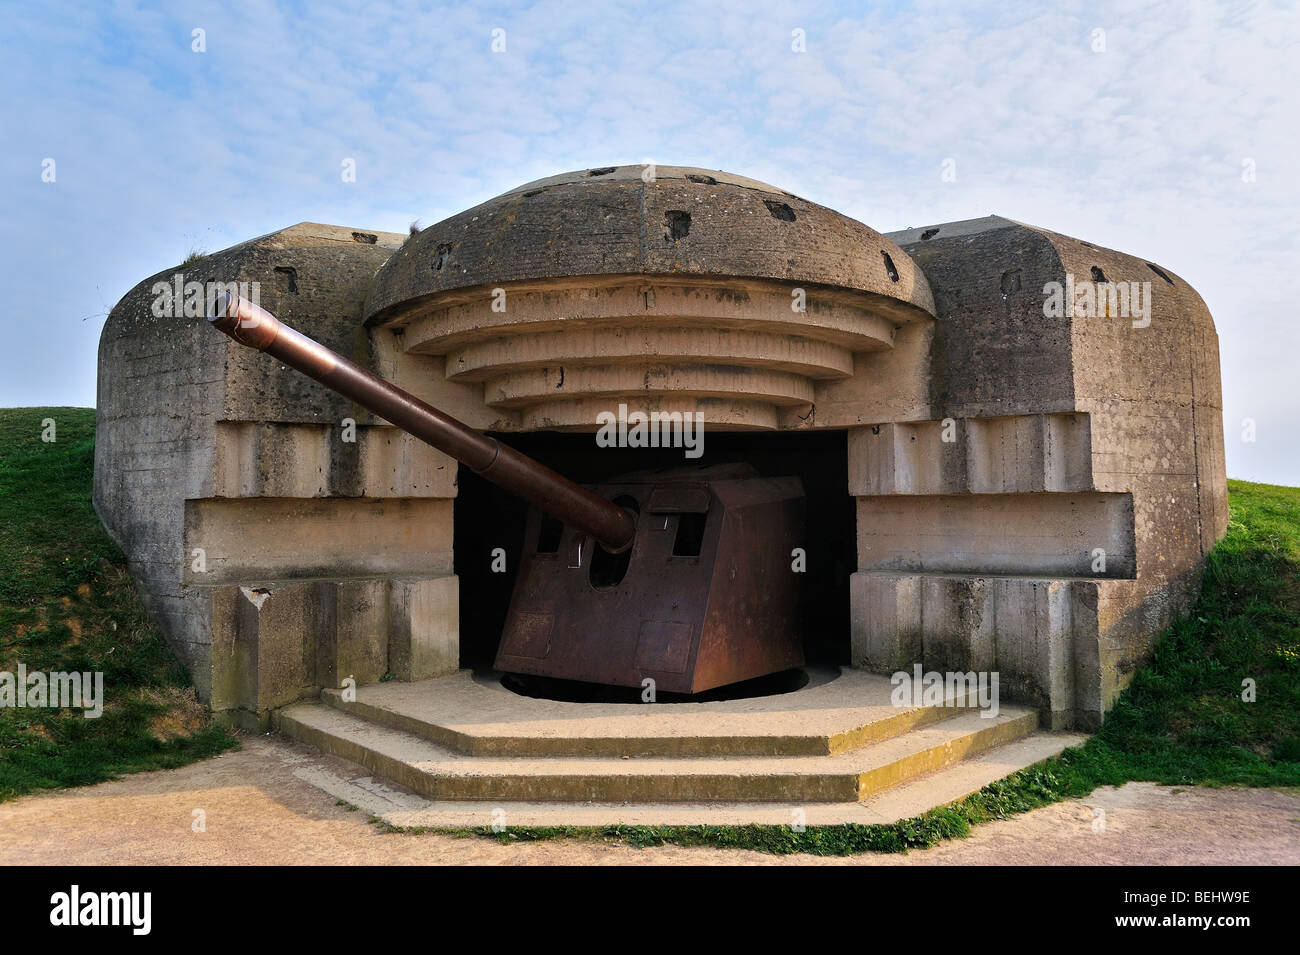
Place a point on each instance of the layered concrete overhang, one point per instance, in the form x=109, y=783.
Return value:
x=686, y=289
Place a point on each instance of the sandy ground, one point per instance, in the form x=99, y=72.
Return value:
x=261, y=806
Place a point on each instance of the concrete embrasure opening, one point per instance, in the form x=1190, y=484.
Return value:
x=488, y=519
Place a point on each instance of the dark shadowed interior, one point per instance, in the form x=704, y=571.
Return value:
x=488, y=518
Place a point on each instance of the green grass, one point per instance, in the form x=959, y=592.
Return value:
x=67, y=604
x=1182, y=720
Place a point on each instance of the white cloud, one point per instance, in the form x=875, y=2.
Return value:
x=1138, y=148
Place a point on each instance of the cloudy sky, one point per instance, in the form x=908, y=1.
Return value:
x=1164, y=129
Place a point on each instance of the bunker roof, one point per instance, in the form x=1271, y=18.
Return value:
x=665, y=222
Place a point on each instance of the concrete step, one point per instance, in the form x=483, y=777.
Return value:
x=909, y=799
x=439, y=773
x=479, y=717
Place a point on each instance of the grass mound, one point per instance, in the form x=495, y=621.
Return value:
x=67, y=604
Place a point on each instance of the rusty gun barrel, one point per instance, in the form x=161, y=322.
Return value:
x=254, y=326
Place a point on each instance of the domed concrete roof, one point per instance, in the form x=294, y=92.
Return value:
x=632, y=220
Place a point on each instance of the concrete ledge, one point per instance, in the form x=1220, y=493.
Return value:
x=1046, y=534
x=1007, y=455
x=904, y=801
x=277, y=538
x=440, y=774
x=469, y=716
x=266, y=459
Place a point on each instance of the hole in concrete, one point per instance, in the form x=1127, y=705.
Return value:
x=1160, y=272
x=602, y=171
x=291, y=275
x=779, y=210
x=1010, y=281
x=702, y=180
x=677, y=225
x=365, y=237
x=889, y=266
x=440, y=256
x=929, y=234
x=256, y=595
x=1098, y=275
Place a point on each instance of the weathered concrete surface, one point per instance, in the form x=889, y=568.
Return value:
x=907, y=799
x=546, y=355
x=841, y=741
x=1010, y=534
x=695, y=290
x=1035, y=493
x=479, y=718
x=219, y=472
x=1124, y=405
x=686, y=222
x=251, y=538
x=438, y=774
x=424, y=620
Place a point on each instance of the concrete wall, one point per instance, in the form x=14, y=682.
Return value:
x=278, y=548
x=1069, y=438
x=1035, y=493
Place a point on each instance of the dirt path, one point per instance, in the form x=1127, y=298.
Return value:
x=261, y=808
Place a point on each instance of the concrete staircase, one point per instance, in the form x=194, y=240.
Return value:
x=835, y=752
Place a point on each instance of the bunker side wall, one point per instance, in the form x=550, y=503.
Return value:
x=1054, y=515
x=282, y=538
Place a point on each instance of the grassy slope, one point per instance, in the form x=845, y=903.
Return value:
x=67, y=604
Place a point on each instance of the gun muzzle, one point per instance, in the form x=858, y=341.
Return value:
x=245, y=322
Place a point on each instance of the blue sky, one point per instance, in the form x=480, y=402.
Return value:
x=1138, y=146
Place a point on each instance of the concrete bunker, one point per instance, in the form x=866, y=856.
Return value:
x=985, y=450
